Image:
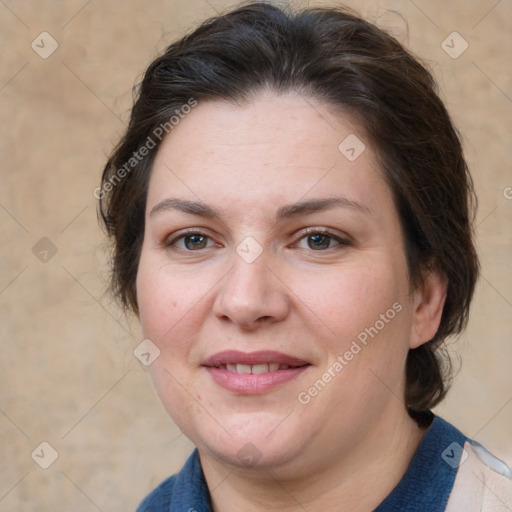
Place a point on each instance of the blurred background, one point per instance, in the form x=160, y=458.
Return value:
x=68, y=375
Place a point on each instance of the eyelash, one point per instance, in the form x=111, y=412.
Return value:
x=171, y=243
x=304, y=234
x=325, y=232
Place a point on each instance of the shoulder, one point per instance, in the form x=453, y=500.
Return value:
x=483, y=482
x=160, y=498
x=451, y=473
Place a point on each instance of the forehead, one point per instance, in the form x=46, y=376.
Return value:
x=274, y=149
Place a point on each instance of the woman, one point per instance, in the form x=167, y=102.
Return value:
x=291, y=213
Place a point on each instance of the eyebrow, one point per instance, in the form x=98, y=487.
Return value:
x=192, y=207
x=316, y=205
x=284, y=212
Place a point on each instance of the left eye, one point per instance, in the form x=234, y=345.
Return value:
x=319, y=241
x=193, y=242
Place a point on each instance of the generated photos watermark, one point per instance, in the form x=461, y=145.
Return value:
x=151, y=142
x=305, y=397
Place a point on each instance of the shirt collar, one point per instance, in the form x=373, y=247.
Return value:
x=428, y=481
x=425, y=486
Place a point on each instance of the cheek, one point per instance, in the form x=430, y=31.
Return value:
x=348, y=300
x=164, y=298
x=166, y=315
x=363, y=333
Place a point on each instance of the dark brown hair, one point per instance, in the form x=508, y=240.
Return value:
x=333, y=56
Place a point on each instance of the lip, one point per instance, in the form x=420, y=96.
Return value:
x=260, y=357
x=253, y=383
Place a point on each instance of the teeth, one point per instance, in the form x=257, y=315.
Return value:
x=259, y=368
x=255, y=368
x=243, y=368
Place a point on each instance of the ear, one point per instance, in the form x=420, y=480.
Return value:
x=429, y=301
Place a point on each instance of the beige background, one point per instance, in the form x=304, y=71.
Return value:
x=68, y=374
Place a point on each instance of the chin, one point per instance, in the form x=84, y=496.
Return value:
x=255, y=456
x=252, y=440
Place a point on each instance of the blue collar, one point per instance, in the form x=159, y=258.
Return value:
x=425, y=486
x=428, y=481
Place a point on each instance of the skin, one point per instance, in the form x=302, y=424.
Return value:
x=353, y=441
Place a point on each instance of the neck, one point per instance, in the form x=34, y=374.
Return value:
x=358, y=481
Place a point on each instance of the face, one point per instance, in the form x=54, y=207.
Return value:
x=274, y=282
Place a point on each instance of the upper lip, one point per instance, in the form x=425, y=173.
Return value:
x=252, y=358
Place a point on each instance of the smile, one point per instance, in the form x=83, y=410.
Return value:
x=255, y=368
x=254, y=372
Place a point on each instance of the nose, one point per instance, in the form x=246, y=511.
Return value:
x=251, y=295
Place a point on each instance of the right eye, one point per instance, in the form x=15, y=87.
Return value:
x=191, y=241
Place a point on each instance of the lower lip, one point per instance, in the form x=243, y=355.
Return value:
x=253, y=383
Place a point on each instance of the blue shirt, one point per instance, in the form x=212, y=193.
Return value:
x=426, y=485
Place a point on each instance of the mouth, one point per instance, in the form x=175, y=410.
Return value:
x=254, y=372
x=255, y=368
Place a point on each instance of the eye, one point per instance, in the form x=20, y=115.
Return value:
x=320, y=240
x=192, y=241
